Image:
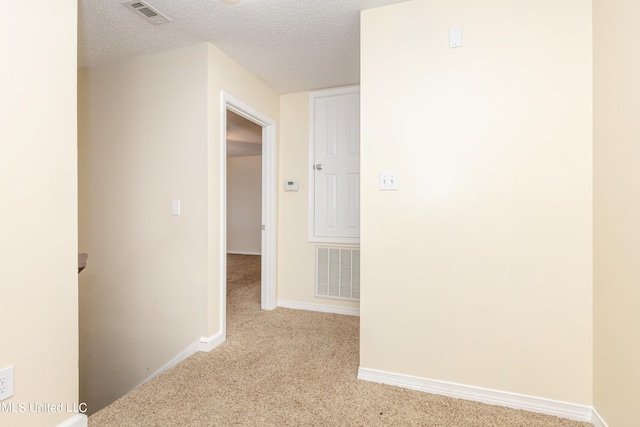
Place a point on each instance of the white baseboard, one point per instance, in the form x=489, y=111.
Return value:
x=597, y=420
x=205, y=344
x=78, y=420
x=243, y=253
x=192, y=349
x=556, y=408
x=319, y=307
x=209, y=343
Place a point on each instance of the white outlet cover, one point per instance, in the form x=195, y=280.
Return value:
x=455, y=37
x=175, y=207
x=7, y=376
x=388, y=180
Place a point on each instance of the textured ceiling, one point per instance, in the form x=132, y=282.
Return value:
x=292, y=45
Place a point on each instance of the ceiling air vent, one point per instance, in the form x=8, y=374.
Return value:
x=147, y=12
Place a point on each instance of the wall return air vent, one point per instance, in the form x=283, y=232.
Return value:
x=338, y=273
x=147, y=12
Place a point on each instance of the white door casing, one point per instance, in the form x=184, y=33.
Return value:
x=268, y=246
x=334, y=159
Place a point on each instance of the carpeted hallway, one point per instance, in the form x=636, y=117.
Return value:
x=290, y=368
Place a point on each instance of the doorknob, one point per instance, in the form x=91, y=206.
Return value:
x=318, y=167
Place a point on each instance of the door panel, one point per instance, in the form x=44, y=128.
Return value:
x=336, y=147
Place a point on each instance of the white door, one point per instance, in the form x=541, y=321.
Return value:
x=335, y=142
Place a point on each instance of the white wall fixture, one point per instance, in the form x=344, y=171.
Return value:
x=175, y=207
x=388, y=180
x=6, y=383
x=290, y=185
x=455, y=37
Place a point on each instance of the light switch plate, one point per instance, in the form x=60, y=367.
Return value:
x=388, y=180
x=455, y=37
x=175, y=207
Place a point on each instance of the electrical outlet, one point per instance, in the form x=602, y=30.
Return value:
x=388, y=181
x=6, y=383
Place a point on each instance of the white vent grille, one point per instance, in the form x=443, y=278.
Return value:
x=147, y=12
x=338, y=273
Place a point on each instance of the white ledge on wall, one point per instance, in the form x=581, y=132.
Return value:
x=323, y=308
x=78, y=420
x=540, y=405
x=205, y=344
x=209, y=343
x=597, y=420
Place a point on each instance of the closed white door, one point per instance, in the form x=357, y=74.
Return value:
x=336, y=167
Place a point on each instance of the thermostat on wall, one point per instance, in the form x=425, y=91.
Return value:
x=290, y=185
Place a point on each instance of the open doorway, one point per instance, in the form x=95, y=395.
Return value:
x=244, y=186
x=244, y=218
x=235, y=113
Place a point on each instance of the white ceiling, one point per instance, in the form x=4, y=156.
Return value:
x=292, y=45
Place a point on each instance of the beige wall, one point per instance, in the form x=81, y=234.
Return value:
x=150, y=132
x=616, y=211
x=38, y=224
x=244, y=204
x=143, y=142
x=478, y=270
x=296, y=256
x=496, y=185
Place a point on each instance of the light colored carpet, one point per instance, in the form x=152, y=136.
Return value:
x=291, y=368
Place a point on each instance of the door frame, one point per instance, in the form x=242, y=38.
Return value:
x=268, y=244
